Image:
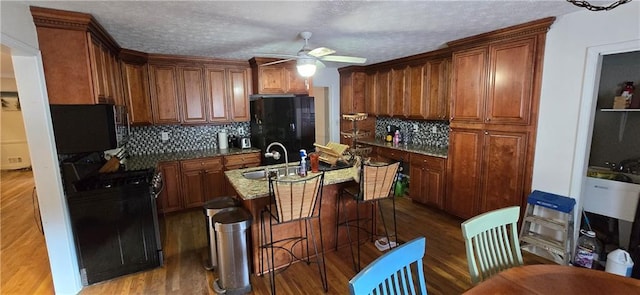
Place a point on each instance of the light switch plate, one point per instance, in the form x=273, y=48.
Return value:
x=164, y=136
x=415, y=127
x=434, y=129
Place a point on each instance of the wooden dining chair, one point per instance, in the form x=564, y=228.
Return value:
x=393, y=272
x=491, y=241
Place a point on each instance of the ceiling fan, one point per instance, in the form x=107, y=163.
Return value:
x=308, y=59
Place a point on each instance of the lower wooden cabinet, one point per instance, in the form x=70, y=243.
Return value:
x=202, y=180
x=242, y=161
x=486, y=170
x=190, y=183
x=170, y=199
x=427, y=180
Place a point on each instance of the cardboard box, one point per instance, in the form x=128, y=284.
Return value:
x=620, y=102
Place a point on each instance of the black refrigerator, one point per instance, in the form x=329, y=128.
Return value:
x=287, y=119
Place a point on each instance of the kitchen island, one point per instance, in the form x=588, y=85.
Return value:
x=254, y=195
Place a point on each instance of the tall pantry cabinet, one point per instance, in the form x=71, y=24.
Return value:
x=495, y=90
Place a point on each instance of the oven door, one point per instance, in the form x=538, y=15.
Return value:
x=157, y=185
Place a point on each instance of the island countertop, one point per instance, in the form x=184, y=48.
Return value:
x=249, y=189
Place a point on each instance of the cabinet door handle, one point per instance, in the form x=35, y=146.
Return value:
x=488, y=119
x=486, y=132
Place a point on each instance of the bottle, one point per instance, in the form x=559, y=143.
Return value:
x=587, y=250
x=627, y=93
x=302, y=171
x=396, y=138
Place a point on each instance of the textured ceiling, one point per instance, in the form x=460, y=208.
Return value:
x=378, y=30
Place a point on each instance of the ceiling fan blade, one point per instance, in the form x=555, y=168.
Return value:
x=347, y=59
x=277, y=62
x=319, y=64
x=275, y=55
x=321, y=51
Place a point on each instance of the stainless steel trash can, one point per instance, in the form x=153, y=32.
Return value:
x=210, y=208
x=231, y=227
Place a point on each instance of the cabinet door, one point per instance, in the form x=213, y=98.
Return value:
x=136, y=93
x=382, y=83
x=217, y=92
x=352, y=88
x=170, y=199
x=371, y=94
x=468, y=85
x=238, y=80
x=116, y=78
x=192, y=94
x=397, y=92
x=504, y=168
x=463, y=172
x=164, y=94
x=511, y=69
x=193, y=188
x=437, y=89
x=417, y=101
x=271, y=80
x=295, y=83
x=99, y=71
x=428, y=173
x=214, y=183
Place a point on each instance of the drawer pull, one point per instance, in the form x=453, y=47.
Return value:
x=602, y=187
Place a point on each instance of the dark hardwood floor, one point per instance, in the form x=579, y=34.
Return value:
x=25, y=266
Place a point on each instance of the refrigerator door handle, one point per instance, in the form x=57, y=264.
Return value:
x=293, y=127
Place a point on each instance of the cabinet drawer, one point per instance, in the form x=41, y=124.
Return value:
x=202, y=163
x=243, y=160
x=431, y=163
x=392, y=154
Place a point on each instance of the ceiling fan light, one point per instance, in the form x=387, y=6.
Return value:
x=306, y=67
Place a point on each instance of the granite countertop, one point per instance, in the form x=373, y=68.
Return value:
x=428, y=150
x=139, y=162
x=249, y=189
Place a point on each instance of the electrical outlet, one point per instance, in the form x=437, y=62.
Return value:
x=164, y=135
x=415, y=127
x=434, y=129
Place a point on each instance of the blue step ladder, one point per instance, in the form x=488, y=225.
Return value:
x=548, y=245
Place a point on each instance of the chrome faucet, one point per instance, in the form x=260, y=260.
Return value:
x=276, y=155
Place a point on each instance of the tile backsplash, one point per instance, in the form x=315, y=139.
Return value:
x=434, y=133
x=146, y=139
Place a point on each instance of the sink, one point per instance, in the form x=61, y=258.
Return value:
x=605, y=173
x=261, y=174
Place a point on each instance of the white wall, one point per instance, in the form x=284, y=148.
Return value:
x=559, y=159
x=330, y=78
x=19, y=34
x=13, y=138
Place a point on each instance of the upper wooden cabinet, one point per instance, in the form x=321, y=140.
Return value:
x=135, y=81
x=383, y=87
x=428, y=90
x=277, y=78
x=493, y=83
x=398, y=91
x=163, y=82
x=79, y=58
x=199, y=90
x=352, y=90
x=228, y=91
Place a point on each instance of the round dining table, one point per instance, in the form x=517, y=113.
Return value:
x=556, y=280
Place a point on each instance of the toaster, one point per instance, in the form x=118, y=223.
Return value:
x=245, y=142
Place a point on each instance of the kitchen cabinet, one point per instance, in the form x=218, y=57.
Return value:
x=397, y=92
x=135, y=82
x=278, y=78
x=370, y=93
x=427, y=89
x=383, y=88
x=170, y=199
x=202, y=180
x=191, y=94
x=228, y=93
x=76, y=48
x=164, y=94
x=494, y=83
x=352, y=91
x=427, y=180
x=496, y=80
x=486, y=171
x=392, y=155
x=242, y=161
